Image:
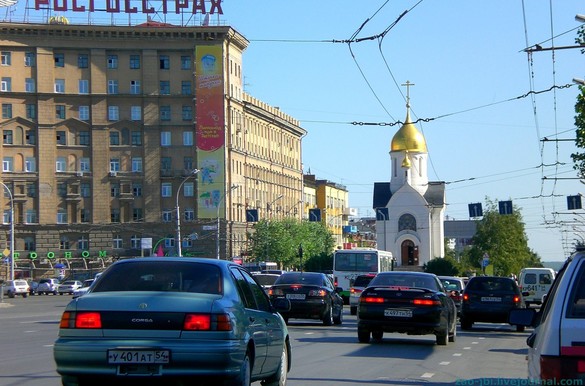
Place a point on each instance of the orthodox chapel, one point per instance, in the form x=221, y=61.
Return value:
x=410, y=209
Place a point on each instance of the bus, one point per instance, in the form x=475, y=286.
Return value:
x=350, y=263
x=261, y=266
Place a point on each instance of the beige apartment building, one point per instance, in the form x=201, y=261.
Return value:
x=110, y=132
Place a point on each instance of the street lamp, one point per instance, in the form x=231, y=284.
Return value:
x=179, y=251
x=11, y=230
x=234, y=186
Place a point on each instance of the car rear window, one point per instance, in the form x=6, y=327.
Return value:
x=158, y=276
x=451, y=285
x=362, y=281
x=266, y=279
x=490, y=284
x=418, y=281
x=300, y=278
x=576, y=307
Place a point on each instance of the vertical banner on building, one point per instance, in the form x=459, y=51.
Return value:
x=209, y=129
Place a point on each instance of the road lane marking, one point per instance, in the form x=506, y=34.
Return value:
x=444, y=363
x=466, y=348
x=427, y=375
x=474, y=342
x=457, y=354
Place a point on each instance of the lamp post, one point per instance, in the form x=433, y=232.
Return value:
x=11, y=230
x=179, y=251
x=234, y=186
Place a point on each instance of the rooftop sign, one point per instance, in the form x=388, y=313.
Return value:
x=132, y=6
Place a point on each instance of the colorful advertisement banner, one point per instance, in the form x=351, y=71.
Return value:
x=209, y=130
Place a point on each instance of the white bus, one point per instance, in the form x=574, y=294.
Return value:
x=350, y=263
x=261, y=266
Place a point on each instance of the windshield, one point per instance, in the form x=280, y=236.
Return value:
x=300, y=278
x=404, y=280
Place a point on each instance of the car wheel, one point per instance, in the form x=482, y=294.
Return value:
x=453, y=335
x=442, y=337
x=363, y=335
x=339, y=318
x=466, y=324
x=67, y=380
x=11, y=294
x=25, y=295
x=55, y=292
x=328, y=317
x=244, y=379
x=520, y=328
x=279, y=378
x=377, y=335
x=353, y=310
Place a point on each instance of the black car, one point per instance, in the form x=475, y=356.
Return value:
x=489, y=299
x=413, y=303
x=312, y=296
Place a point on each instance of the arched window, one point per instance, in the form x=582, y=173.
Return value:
x=406, y=222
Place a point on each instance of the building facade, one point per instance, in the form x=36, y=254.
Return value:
x=116, y=140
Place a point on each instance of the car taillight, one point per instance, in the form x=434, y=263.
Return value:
x=356, y=291
x=516, y=299
x=465, y=297
x=207, y=322
x=80, y=320
x=320, y=292
x=561, y=367
x=372, y=299
x=426, y=302
x=275, y=292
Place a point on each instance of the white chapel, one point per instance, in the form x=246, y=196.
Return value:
x=410, y=209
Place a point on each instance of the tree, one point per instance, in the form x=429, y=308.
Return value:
x=446, y=266
x=502, y=238
x=579, y=157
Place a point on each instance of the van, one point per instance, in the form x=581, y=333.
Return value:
x=535, y=284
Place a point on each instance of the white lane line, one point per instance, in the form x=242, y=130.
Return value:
x=427, y=375
x=444, y=363
x=466, y=348
x=474, y=342
x=457, y=354
x=482, y=337
x=28, y=332
x=47, y=345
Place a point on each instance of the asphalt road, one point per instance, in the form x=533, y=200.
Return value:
x=490, y=354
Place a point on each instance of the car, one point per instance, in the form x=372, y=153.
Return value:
x=359, y=284
x=489, y=299
x=556, y=353
x=69, y=286
x=266, y=280
x=48, y=286
x=407, y=302
x=166, y=320
x=534, y=283
x=454, y=286
x=83, y=289
x=312, y=296
x=32, y=285
x=12, y=288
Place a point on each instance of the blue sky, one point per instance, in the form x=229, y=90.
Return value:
x=473, y=81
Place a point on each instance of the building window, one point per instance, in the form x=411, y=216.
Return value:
x=60, y=111
x=112, y=61
x=137, y=214
x=135, y=87
x=60, y=86
x=31, y=137
x=6, y=110
x=112, y=86
x=85, y=189
x=134, y=62
x=137, y=190
x=114, y=165
x=189, y=215
x=165, y=87
x=29, y=85
x=31, y=218
x=169, y=242
x=83, y=61
x=6, y=84
x=84, y=113
x=185, y=62
x=165, y=138
x=167, y=189
x=113, y=113
x=167, y=215
x=31, y=111
x=62, y=189
x=84, y=164
x=186, y=87
x=135, y=113
x=137, y=164
x=7, y=137
x=5, y=58
x=165, y=113
x=136, y=138
x=84, y=138
x=7, y=164
x=60, y=164
x=187, y=138
x=117, y=242
x=30, y=165
x=62, y=219
x=31, y=190
x=187, y=113
x=188, y=163
x=30, y=59
x=135, y=242
x=115, y=190
x=115, y=215
x=165, y=163
x=164, y=62
x=83, y=86
x=114, y=138
x=189, y=189
x=406, y=222
x=6, y=217
x=85, y=215
x=59, y=60
x=61, y=138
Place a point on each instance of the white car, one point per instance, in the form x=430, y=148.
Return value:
x=83, y=289
x=556, y=350
x=16, y=287
x=48, y=286
x=69, y=286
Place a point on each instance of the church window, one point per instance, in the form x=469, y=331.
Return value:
x=406, y=222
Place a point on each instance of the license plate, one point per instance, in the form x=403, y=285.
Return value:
x=295, y=296
x=491, y=299
x=398, y=313
x=138, y=356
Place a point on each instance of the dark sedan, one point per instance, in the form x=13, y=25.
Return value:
x=413, y=303
x=312, y=296
x=489, y=299
x=170, y=321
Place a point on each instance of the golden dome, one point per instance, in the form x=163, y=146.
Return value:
x=408, y=138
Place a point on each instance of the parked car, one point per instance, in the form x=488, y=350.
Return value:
x=312, y=296
x=413, y=303
x=83, y=289
x=266, y=280
x=188, y=320
x=359, y=284
x=454, y=286
x=534, y=283
x=33, y=285
x=12, y=288
x=48, y=286
x=556, y=354
x=489, y=299
x=69, y=286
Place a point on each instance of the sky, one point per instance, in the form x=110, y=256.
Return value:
x=491, y=113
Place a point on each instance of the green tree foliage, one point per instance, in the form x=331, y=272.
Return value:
x=579, y=157
x=446, y=266
x=503, y=239
x=279, y=241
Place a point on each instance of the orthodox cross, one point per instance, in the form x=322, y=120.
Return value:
x=408, y=84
